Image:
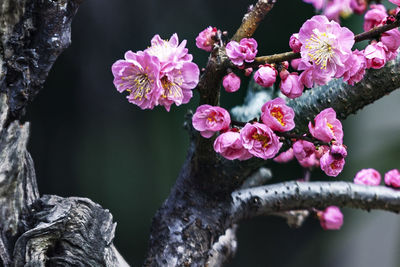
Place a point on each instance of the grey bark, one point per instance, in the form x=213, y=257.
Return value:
x=34, y=230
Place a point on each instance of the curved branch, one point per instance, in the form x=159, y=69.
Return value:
x=248, y=203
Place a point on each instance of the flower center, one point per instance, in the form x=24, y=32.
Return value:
x=320, y=48
x=277, y=114
x=171, y=88
x=141, y=86
x=262, y=138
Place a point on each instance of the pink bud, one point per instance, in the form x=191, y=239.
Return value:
x=285, y=156
x=265, y=76
x=331, y=218
x=230, y=146
x=358, y=6
x=392, y=178
x=375, y=55
x=205, y=39
x=248, y=71
x=294, y=42
x=368, y=177
x=291, y=85
x=231, y=82
x=295, y=63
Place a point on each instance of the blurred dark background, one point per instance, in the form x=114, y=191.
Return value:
x=88, y=141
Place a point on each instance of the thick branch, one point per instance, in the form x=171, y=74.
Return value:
x=264, y=200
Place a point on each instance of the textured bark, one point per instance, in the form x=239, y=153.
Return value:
x=46, y=231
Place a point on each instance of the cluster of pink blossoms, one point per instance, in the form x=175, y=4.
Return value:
x=256, y=139
x=162, y=74
x=331, y=159
x=373, y=177
x=333, y=9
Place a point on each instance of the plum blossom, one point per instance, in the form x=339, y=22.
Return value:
x=332, y=162
x=374, y=17
x=354, y=68
x=375, y=55
x=304, y=152
x=229, y=145
x=245, y=50
x=392, y=178
x=205, y=39
x=326, y=127
x=331, y=218
x=138, y=74
x=358, y=6
x=325, y=44
x=294, y=42
x=368, y=177
x=396, y=2
x=338, y=8
x=265, y=76
x=277, y=116
x=209, y=119
x=260, y=140
x=231, y=82
x=290, y=84
x=178, y=75
x=391, y=40
x=285, y=156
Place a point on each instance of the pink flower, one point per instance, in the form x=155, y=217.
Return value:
x=392, y=178
x=277, y=116
x=396, y=2
x=331, y=218
x=332, y=162
x=336, y=8
x=290, y=84
x=374, y=17
x=245, y=50
x=304, y=152
x=354, y=68
x=229, y=145
x=358, y=6
x=138, y=74
x=313, y=74
x=260, y=140
x=318, y=4
x=375, y=55
x=295, y=63
x=205, y=39
x=391, y=40
x=285, y=156
x=326, y=127
x=208, y=120
x=368, y=177
x=325, y=44
x=248, y=71
x=294, y=42
x=170, y=53
x=178, y=75
x=265, y=76
x=231, y=82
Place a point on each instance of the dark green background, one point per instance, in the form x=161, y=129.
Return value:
x=88, y=141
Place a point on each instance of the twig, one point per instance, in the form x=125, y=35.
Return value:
x=253, y=18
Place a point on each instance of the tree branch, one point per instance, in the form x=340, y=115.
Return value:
x=248, y=203
x=252, y=19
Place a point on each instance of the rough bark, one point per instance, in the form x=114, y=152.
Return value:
x=34, y=231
